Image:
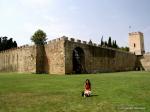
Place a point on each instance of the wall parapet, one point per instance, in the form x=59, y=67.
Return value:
x=136, y=33
x=95, y=44
x=65, y=38
x=16, y=48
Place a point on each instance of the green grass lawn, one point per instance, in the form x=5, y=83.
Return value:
x=112, y=92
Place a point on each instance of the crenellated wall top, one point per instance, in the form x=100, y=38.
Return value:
x=17, y=48
x=65, y=38
x=135, y=33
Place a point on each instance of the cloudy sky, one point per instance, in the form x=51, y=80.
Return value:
x=82, y=19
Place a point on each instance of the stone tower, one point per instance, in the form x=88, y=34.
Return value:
x=136, y=43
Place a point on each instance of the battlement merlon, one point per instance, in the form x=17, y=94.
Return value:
x=136, y=33
x=78, y=41
x=17, y=48
x=65, y=38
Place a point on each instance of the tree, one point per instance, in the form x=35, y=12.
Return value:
x=39, y=37
x=109, y=42
x=105, y=43
x=102, y=43
x=6, y=43
x=90, y=42
x=125, y=48
x=15, y=44
x=115, y=44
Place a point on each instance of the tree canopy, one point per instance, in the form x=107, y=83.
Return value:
x=6, y=43
x=113, y=44
x=109, y=43
x=39, y=37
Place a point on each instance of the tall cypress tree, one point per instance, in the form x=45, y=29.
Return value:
x=106, y=43
x=115, y=44
x=90, y=42
x=15, y=44
x=102, y=43
x=109, y=42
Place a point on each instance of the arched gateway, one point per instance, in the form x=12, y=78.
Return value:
x=78, y=60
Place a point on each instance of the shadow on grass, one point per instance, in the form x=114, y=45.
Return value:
x=93, y=95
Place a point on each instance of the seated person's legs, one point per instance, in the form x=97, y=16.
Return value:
x=87, y=93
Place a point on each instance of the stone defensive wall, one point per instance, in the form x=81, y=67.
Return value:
x=21, y=59
x=59, y=56
x=144, y=62
x=35, y=59
x=54, y=56
x=97, y=58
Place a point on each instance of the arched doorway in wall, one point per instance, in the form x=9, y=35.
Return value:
x=78, y=61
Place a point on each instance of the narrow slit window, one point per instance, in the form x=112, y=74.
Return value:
x=134, y=45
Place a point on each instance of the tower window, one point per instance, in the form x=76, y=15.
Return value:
x=134, y=45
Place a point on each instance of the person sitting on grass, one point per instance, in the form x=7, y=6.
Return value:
x=87, y=88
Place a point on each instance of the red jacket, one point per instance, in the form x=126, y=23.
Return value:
x=88, y=86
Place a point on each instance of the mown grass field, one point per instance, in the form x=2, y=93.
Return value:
x=112, y=92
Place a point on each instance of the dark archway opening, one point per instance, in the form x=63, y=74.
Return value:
x=78, y=61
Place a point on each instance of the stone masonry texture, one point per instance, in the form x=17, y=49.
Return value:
x=57, y=57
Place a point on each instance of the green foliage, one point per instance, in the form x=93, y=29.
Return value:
x=124, y=48
x=112, y=92
x=102, y=43
x=105, y=44
x=110, y=43
x=39, y=37
x=90, y=41
x=6, y=43
x=114, y=44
